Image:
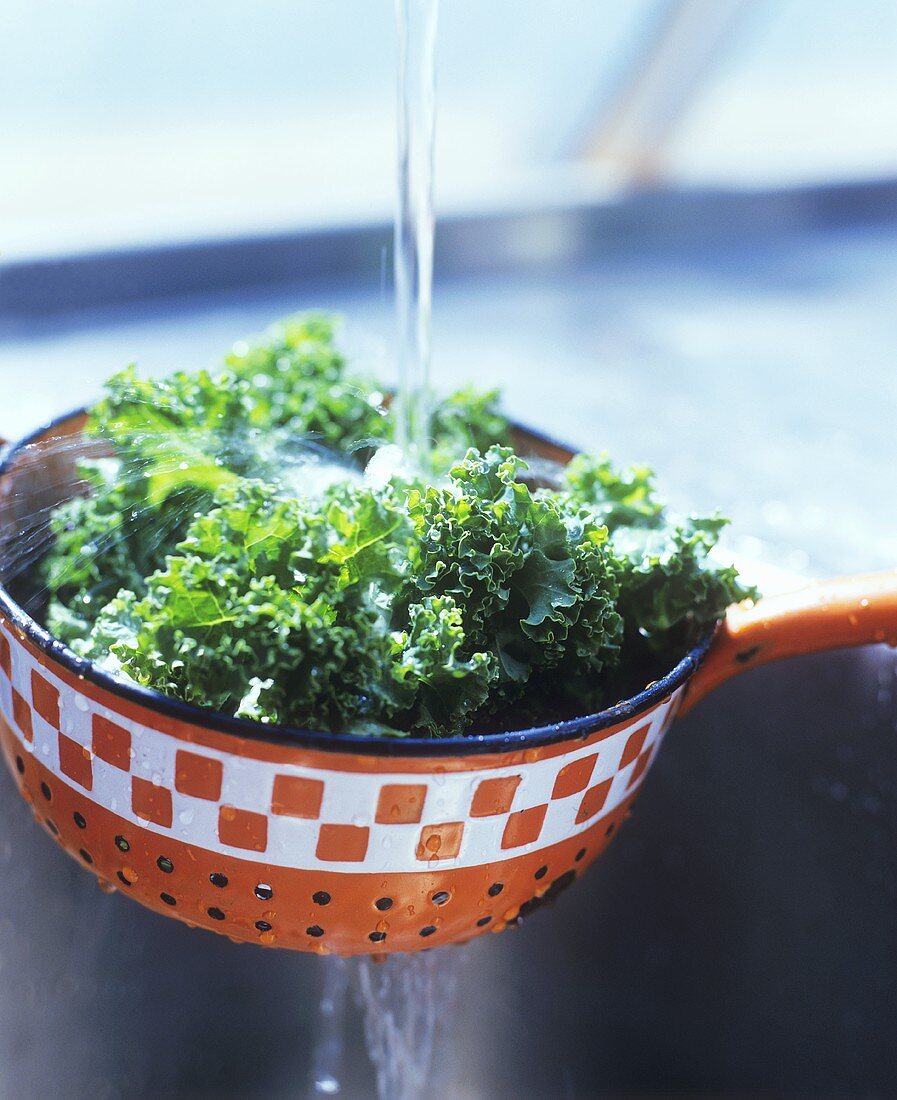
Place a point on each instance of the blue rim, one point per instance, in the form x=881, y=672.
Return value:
x=375, y=745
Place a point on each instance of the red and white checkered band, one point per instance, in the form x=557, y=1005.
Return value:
x=345, y=818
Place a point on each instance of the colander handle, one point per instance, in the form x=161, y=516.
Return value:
x=847, y=611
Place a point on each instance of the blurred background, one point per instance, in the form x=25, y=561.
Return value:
x=125, y=124
x=668, y=228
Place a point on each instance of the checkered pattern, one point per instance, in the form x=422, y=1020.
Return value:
x=305, y=817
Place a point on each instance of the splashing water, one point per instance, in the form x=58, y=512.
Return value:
x=43, y=473
x=414, y=225
x=55, y=468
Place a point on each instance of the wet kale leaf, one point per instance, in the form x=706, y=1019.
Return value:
x=207, y=563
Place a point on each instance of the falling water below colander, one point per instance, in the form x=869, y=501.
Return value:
x=328, y=843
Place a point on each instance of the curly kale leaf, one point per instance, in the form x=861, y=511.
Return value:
x=446, y=684
x=622, y=497
x=295, y=378
x=533, y=583
x=669, y=582
x=467, y=418
x=670, y=589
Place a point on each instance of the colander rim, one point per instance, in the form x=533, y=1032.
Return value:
x=358, y=745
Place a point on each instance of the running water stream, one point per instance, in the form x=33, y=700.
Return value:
x=415, y=223
x=407, y=1005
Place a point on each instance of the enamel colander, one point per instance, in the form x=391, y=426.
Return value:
x=326, y=843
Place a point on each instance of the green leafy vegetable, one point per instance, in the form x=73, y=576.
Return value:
x=669, y=587
x=202, y=564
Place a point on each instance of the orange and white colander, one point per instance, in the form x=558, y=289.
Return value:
x=328, y=843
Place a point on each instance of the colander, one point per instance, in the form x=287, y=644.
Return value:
x=328, y=843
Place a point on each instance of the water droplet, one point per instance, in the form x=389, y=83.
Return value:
x=82, y=704
x=433, y=842
x=228, y=813
x=186, y=817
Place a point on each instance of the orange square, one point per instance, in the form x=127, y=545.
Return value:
x=243, y=829
x=5, y=660
x=639, y=768
x=401, y=803
x=343, y=843
x=151, y=803
x=45, y=699
x=440, y=841
x=573, y=778
x=634, y=746
x=199, y=776
x=593, y=801
x=523, y=827
x=294, y=796
x=111, y=743
x=74, y=761
x=494, y=796
x=22, y=714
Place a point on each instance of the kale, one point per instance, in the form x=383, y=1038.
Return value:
x=206, y=562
